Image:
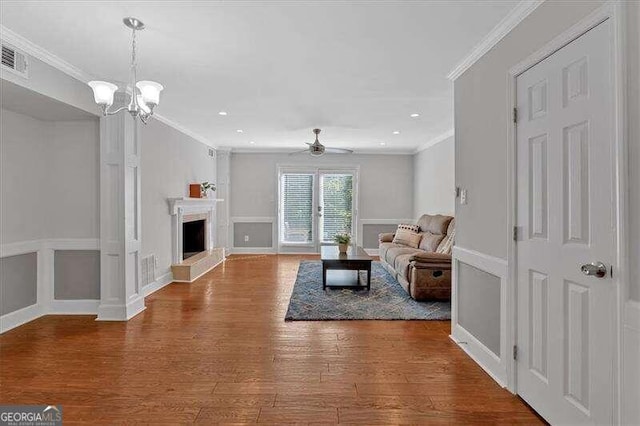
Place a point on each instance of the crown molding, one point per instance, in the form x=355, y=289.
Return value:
x=182, y=129
x=508, y=23
x=444, y=136
x=40, y=53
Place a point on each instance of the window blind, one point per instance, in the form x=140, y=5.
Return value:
x=297, y=208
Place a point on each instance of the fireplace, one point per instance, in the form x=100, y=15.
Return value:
x=193, y=241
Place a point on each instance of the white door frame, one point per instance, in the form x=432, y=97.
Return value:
x=314, y=248
x=615, y=12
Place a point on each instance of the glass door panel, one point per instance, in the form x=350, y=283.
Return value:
x=296, y=208
x=335, y=206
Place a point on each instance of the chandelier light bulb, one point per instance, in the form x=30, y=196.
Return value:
x=150, y=91
x=103, y=92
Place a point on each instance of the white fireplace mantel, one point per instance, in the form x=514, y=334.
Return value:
x=192, y=205
x=181, y=207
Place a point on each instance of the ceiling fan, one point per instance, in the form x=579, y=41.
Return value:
x=317, y=149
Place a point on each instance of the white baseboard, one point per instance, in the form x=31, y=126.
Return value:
x=121, y=312
x=161, y=282
x=73, y=307
x=19, y=317
x=482, y=355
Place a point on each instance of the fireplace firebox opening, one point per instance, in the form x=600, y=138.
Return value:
x=193, y=238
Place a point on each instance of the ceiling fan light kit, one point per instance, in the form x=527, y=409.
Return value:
x=145, y=94
x=317, y=149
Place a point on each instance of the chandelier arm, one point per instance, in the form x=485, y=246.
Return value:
x=106, y=112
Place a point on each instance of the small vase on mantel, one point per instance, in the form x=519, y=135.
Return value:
x=342, y=248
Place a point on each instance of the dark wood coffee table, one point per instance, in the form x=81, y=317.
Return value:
x=355, y=259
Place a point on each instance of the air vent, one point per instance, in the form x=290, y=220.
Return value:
x=14, y=61
x=148, y=269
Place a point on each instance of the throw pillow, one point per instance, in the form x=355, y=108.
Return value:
x=447, y=243
x=407, y=235
x=409, y=227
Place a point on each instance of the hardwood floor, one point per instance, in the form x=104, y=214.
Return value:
x=219, y=351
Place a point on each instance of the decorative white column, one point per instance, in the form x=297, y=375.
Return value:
x=120, y=230
x=223, y=184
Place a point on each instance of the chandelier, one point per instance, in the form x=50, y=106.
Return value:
x=145, y=95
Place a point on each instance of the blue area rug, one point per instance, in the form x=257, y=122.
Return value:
x=386, y=300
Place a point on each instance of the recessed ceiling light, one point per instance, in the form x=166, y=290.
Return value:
x=252, y=142
x=382, y=143
x=414, y=115
x=396, y=132
x=222, y=113
x=240, y=131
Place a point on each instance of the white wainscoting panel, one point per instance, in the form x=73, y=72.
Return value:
x=255, y=250
x=495, y=366
x=46, y=304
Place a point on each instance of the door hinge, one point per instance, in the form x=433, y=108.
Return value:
x=515, y=233
x=515, y=115
x=515, y=352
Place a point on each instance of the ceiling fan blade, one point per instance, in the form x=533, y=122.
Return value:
x=338, y=150
x=298, y=152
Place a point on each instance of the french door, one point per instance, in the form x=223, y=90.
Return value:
x=315, y=205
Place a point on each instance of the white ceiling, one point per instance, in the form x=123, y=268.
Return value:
x=356, y=69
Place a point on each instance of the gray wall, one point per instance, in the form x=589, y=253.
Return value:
x=171, y=161
x=479, y=305
x=49, y=189
x=22, y=165
x=18, y=282
x=481, y=120
x=434, y=179
x=370, y=232
x=385, y=186
x=76, y=274
x=50, y=178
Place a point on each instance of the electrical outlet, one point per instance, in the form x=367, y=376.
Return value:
x=463, y=196
x=246, y=238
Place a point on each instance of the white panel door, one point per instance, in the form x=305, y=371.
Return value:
x=566, y=219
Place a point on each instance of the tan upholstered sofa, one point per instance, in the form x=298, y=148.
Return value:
x=424, y=272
